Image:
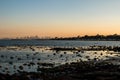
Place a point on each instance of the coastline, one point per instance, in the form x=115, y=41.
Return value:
x=74, y=71
x=89, y=63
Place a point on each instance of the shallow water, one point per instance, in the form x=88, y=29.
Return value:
x=12, y=57
x=29, y=55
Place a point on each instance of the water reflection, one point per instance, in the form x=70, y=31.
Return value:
x=29, y=58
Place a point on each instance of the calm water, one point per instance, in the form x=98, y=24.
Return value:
x=13, y=56
x=61, y=43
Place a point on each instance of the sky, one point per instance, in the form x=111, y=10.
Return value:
x=58, y=18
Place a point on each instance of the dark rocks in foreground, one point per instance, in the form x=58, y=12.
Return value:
x=74, y=71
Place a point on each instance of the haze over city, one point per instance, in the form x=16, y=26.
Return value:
x=61, y=18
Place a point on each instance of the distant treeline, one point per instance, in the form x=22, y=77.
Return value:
x=114, y=37
x=97, y=37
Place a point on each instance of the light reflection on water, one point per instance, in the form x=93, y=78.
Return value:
x=13, y=57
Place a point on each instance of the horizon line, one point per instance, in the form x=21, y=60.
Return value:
x=48, y=37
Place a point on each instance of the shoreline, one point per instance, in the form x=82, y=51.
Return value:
x=89, y=63
x=74, y=71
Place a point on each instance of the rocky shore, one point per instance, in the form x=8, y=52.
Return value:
x=80, y=63
x=75, y=71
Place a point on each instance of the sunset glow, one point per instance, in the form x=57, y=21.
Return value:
x=58, y=18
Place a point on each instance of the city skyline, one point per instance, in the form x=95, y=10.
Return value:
x=58, y=18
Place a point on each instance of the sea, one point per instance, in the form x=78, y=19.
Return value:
x=57, y=43
x=17, y=55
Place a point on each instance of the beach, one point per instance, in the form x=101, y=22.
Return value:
x=59, y=40
x=59, y=63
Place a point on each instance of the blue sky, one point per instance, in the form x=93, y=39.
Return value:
x=54, y=17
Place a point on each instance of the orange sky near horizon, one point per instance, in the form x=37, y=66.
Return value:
x=53, y=31
x=59, y=18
